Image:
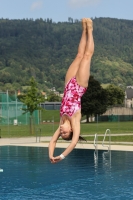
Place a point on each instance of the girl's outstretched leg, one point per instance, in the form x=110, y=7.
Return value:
x=83, y=72
x=72, y=70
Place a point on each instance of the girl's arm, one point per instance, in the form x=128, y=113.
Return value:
x=52, y=143
x=76, y=133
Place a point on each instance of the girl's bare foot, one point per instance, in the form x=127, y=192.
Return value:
x=89, y=24
x=84, y=24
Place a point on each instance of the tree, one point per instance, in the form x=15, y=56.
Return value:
x=32, y=100
x=26, y=47
x=94, y=101
x=115, y=95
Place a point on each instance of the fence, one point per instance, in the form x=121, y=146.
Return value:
x=11, y=110
x=117, y=113
x=11, y=114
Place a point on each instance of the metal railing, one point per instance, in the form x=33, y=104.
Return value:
x=96, y=149
x=96, y=141
x=109, y=133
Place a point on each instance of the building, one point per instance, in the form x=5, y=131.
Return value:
x=129, y=97
x=51, y=105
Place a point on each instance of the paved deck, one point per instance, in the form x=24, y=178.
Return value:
x=34, y=142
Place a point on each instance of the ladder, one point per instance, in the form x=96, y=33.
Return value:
x=105, y=153
x=96, y=141
x=109, y=133
x=96, y=149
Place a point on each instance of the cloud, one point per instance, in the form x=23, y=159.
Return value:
x=82, y=3
x=36, y=5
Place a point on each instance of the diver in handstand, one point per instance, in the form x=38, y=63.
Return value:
x=76, y=83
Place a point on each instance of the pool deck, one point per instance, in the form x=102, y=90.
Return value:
x=34, y=142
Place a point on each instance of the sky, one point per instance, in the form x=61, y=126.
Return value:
x=61, y=10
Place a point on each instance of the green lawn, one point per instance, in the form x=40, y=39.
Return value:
x=48, y=128
x=127, y=138
x=115, y=127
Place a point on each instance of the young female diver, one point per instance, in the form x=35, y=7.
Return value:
x=76, y=83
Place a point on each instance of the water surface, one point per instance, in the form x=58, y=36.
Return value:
x=83, y=175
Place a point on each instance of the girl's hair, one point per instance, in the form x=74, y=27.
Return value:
x=71, y=135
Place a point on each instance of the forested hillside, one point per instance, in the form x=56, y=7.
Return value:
x=45, y=49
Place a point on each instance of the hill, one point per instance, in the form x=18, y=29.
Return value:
x=45, y=49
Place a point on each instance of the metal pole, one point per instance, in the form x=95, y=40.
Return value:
x=8, y=110
x=36, y=135
x=26, y=118
x=40, y=115
x=40, y=135
x=53, y=124
x=16, y=106
x=97, y=122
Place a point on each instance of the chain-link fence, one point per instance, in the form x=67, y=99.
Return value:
x=11, y=115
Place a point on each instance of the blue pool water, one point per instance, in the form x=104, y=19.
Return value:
x=83, y=175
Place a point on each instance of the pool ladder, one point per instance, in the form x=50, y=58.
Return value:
x=106, y=154
x=109, y=133
x=96, y=148
x=96, y=140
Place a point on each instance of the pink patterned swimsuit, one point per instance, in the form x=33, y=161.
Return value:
x=71, y=101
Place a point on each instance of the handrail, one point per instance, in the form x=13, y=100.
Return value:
x=95, y=141
x=109, y=132
x=96, y=149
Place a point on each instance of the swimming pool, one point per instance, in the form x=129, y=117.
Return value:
x=28, y=174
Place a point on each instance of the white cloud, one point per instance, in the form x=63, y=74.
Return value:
x=36, y=5
x=81, y=3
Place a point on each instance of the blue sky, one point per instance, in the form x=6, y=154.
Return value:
x=60, y=10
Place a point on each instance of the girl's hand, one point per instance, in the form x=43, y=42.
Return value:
x=56, y=159
x=51, y=159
